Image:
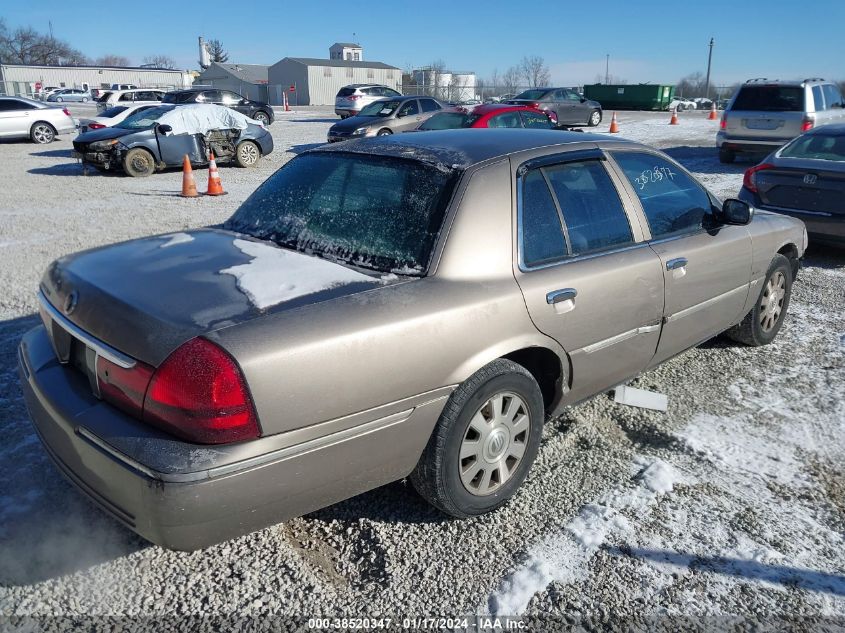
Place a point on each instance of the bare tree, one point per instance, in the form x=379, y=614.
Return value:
x=693, y=85
x=159, y=61
x=112, y=60
x=216, y=52
x=490, y=87
x=534, y=71
x=510, y=80
x=27, y=46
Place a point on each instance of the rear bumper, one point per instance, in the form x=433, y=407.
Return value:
x=749, y=145
x=186, y=496
x=345, y=112
x=826, y=228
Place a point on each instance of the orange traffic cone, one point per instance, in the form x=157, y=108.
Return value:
x=215, y=187
x=713, y=116
x=614, y=126
x=674, y=119
x=189, y=185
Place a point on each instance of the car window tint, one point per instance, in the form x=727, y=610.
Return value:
x=535, y=120
x=7, y=105
x=818, y=100
x=390, y=93
x=572, y=95
x=126, y=96
x=832, y=96
x=542, y=235
x=409, y=108
x=429, y=105
x=816, y=147
x=770, y=98
x=592, y=211
x=506, y=119
x=672, y=202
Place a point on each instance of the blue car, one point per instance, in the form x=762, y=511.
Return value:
x=161, y=137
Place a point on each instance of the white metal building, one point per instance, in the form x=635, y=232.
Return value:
x=451, y=85
x=19, y=79
x=345, y=50
x=248, y=80
x=317, y=81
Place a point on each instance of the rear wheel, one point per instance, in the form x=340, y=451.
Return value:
x=595, y=118
x=262, y=118
x=726, y=156
x=42, y=133
x=762, y=324
x=484, y=443
x=84, y=99
x=247, y=154
x=59, y=99
x=139, y=163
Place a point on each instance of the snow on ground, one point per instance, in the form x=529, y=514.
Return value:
x=730, y=503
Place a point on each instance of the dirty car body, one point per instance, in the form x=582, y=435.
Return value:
x=162, y=147
x=349, y=302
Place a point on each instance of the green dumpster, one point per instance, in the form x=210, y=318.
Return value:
x=630, y=96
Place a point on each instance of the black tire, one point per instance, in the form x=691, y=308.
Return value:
x=42, y=133
x=437, y=476
x=760, y=327
x=59, y=99
x=384, y=132
x=84, y=99
x=247, y=154
x=726, y=156
x=139, y=163
x=595, y=118
x=262, y=117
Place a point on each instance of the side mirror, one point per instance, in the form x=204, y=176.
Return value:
x=164, y=129
x=736, y=212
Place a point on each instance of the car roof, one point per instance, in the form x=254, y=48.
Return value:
x=461, y=148
x=831, y=129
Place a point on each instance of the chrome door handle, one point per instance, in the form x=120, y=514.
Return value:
x=678, y=262
x=564, y=294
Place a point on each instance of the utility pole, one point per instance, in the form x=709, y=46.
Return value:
x=709, y=60
x=607, y=69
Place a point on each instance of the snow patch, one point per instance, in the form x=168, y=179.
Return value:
x=563, y=557
x=276, y=275
x=176, y=238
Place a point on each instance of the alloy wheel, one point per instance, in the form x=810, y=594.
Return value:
x=42, y=133
x=771, y=303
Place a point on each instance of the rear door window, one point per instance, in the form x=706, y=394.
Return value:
x=673, y=202
x=408, y=108
x=818, y=100
x=770, y=98
x=542, y=234
x=535, y=120
x=832, y=96
x=429, y=105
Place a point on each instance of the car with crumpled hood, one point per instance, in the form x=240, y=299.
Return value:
x=415, y=305
x=160, y=137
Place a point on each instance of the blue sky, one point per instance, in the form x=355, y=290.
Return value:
x=647, y=41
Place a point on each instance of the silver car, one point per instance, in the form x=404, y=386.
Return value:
x=21, y=118
x=386, y=116
x=414, y=305
x=351, y=99
x=764, y=115
x=70, y=94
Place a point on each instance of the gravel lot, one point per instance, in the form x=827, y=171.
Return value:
x=730, y=504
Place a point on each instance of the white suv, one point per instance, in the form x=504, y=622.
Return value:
x=111, y=98
x=764, y=115
x=350, y=99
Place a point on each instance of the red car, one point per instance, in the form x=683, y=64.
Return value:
x=490, y=115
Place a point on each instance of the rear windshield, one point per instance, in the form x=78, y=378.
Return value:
x=345, y=92
x=449, y=121
x=817, y=147
x=104, y=97
x=379, y=108
x=531, y=95
x=770, y=98
x=368, y=211
x=112, y=112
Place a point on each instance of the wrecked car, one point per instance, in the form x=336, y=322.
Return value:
x=160, y=137
x=411, y=305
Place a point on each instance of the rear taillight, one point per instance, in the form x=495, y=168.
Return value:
x=66, y=111
x=723, y=124
x=536, y=104
x=198, y=393
x=124, y=388
x=95, y=126
x=749, y=179
x=353, y=97
x=807, y=125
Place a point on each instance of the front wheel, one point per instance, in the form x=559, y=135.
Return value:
x=484, y=442
x=59, y=99
x=384, y=132
x=84, y=99
x=247, y=154
x=595, y=118
x=762, y=324
x=139, y=163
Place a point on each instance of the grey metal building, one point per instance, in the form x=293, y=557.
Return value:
x=317, y=81
x=20, y=79
x=249, y=80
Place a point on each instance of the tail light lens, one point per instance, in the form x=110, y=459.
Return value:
x=198, y=393
x=353, y=97
x=535, y=104
x=124, y=388
x=723, y=123
x=66, y=111
x=807, y=124
x=749, y=179
x=95, y=126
